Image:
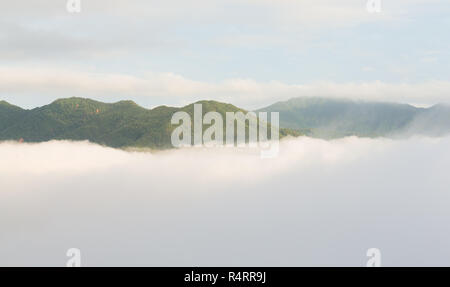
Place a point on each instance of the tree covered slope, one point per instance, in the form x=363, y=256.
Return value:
x=125, y=124
x=122, y=124
x=332, y=118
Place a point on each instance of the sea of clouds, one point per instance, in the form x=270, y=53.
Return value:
x=320, y=203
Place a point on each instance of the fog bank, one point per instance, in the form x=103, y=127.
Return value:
x=320, y=203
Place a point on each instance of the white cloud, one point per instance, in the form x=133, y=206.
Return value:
x=49, y=20
x=367, y=69
x=280, y=12
x=318, y=203
x=172, y=89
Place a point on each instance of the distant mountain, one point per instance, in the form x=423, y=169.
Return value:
x=122, y=124
x=434, y=121
x=332, y=118
x=125, y=124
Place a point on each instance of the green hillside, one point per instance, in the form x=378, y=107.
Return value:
x=125, y=124
x=9, y=114
x=122, y=124
x=333, y=118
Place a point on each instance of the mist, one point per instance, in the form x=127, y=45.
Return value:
x=319, y=203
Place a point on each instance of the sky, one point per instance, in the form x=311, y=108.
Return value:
x=248, y=52
x=319, y=203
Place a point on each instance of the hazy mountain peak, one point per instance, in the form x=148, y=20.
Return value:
x=332, y=117
x=127, y=102
x=6, y=104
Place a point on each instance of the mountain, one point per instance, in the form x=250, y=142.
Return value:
x=332, y=118
x=434, y=121
x=125, y=124
x=122, y=124
x=9, y=114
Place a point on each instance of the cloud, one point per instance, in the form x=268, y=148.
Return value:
x=222, y=50
x=280, y=13
x=44, y=28
x=245, y=11
x=173, y=89
x=319, y=203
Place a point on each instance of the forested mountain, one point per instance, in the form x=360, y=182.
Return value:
x=122, y=124
x=126, y=124
x=332, y=118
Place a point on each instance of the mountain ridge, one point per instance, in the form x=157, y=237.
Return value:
x=120, y=124
x=127, y=124
x=333, y=118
